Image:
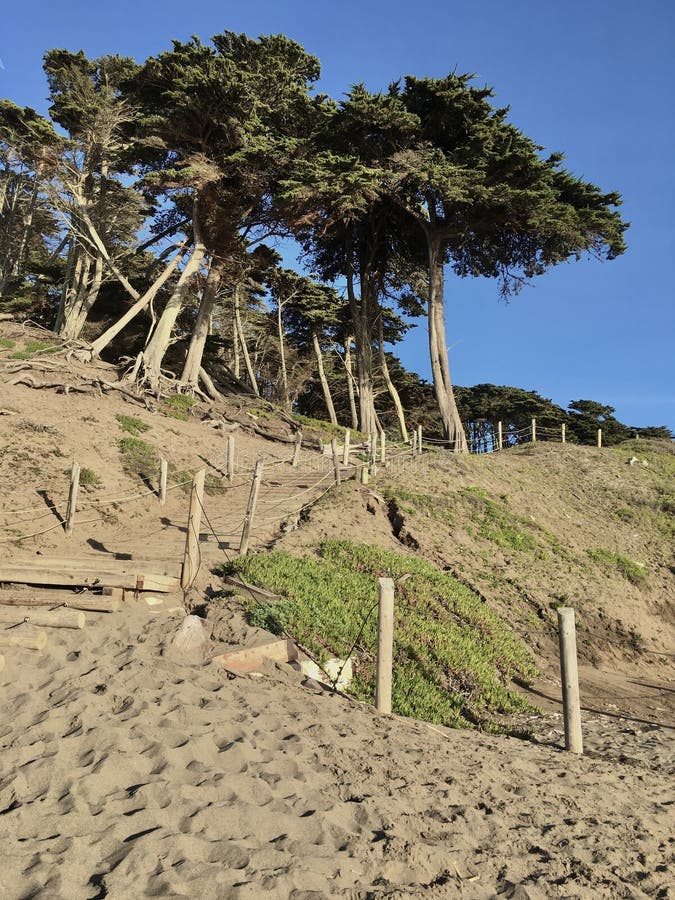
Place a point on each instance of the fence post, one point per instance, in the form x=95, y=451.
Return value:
x=191, y=555
x=419, y=440
x=163, y=472
x=599, y=438
x=372, y=454
x=336, y=462
x=250, y=509
x=563, y=429
x=570, y=680
x=72, y=497
x=296, y=450
x=413, y=443
x=534, y=431
x=385, y=644
x=230, y=457
x=383, y=447
x=500, y=436
x=345, y=454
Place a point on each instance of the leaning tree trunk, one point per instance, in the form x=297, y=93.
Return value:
x=77, y=316
x=158, y=344
x=285, y=396
x=241, y=341
x=322, y=378
x=200, y=332
x=391, y=387
x=438, y=351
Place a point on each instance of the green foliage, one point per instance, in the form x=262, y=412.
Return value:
x=131, y=424
x=138, y=458
x=615, y=562
x=497, y=524
x=453, y=657
x=7, y=343
x=178, y=406
x=33, y=347
x=89, y=480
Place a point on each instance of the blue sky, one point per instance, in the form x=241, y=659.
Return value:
x=594, y=80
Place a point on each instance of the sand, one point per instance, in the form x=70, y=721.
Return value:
x=129, y=772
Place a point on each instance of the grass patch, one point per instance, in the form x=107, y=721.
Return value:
x=89, y=480
x=178, y=406
x=138, y=458
x=495, y=523
x=438, y=506
x=327, y=430
x=615, y=562
x=7, y=344
x=131, y=424
x=453, y=657
x=33, y=347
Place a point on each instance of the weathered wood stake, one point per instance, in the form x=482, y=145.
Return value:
x=500, y=436
x=345, y=452
x=296, y=450
x=55, y=618
x=570, y=680
x=419, y=439
x=72, y=497
x=383, y=447
x=599, y=438
x=534, y=431
x=191, y=555
x=36, y=640
x=250, y=509
x=413, y=443
x=563, y=429
x=336, y=461
x=163, y=472
x=229, y=471
x=385, y=644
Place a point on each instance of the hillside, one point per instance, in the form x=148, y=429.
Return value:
x=527, y=530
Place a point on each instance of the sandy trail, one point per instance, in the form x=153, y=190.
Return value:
x=128, y=773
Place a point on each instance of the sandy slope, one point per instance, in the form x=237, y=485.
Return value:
x=126, y=772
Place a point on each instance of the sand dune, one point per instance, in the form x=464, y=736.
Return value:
x=127, y=773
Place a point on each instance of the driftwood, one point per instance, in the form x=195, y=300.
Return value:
x=57, y=618
x=2, y=662
x=252, y=658
x=88, y=602
x=36, y=640
x=259, y=593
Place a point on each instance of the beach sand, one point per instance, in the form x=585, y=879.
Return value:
x=127, y=771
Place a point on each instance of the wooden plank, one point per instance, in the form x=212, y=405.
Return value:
x=169, y=568
x=252, y=658
x=87, y=601
x=137, y=581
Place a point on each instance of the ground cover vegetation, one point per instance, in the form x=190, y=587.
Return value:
x=140, y=220
x=454, y=658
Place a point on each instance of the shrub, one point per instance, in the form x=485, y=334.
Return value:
x=131, y=424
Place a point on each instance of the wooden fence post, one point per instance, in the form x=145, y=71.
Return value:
x=413, y=443
x=599, y=438
x=191, y=555
x=345, y=455
x=163, y=472
x=372, y=454
x=563, y=429
x=336, y=461
x=250, y=509
x=230, y=457
x=383, y=447
x=534, y=431
x=296, y=449
x=385, y=644
x=72, y=497
x=570, y=680
x=419, y=440
x=500, y=436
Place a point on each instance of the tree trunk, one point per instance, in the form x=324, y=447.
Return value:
x=391, y=387
x=322, y=378
x=285, y=397
x=77, y=316
x=350, y=381
x=241, y=339
x=200, y=332
x=364, y=348
x=438, y=351
x=153, y=355
x=142, y=301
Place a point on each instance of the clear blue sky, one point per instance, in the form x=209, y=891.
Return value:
x=595, y=80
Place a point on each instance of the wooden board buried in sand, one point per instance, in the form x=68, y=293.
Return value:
x=75, y=573
x=252, y=658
